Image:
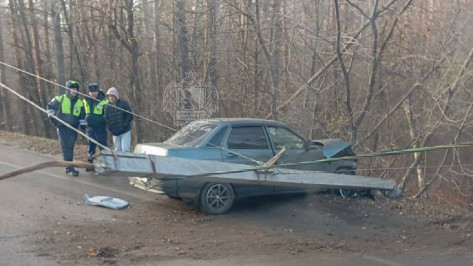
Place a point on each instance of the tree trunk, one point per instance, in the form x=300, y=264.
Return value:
x=346, y=75
x=413, y=132
x=275, y=64
x=135, y=81
x=150, y=88
x=34, y=119
x=90, y=32
x=21, y=77
x=183, y=38
x=160, y=86
x=272, y=59
x=314, y=65
x=212, y=27
x=74, y=53
x=59, y=47
x=5, y=117
x=38, y=67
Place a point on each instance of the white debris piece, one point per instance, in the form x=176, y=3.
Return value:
x=107, y=202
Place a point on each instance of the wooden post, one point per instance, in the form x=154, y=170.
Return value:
x=45, y=165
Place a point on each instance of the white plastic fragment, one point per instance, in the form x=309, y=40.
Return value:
x=107, y=202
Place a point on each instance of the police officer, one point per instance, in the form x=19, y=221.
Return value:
x=70, y=109
x=94, y=105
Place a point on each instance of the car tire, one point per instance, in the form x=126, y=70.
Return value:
x=346, y=193
x=216, y=198
x=386, y=195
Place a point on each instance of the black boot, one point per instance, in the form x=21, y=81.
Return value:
x=72, y=172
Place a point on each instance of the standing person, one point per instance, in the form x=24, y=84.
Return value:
x=119, y=120
x=94, y=105
x=70, y=109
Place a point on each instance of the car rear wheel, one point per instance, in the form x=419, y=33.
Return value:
x=216, y=198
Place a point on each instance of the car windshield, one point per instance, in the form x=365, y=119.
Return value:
x=192, y=134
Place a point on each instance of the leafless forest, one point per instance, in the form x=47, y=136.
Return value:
x=382, y=74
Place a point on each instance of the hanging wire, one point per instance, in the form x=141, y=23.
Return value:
x=54, y=116
x=261, y=165
x=114, y=106
x=407, y=167
x=85, y=95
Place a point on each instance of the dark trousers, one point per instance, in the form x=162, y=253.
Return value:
x=67, y=139
x=98, y=134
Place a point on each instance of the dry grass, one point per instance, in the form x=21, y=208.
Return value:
x=43, y=145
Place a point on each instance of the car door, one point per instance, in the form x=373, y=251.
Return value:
x=246, y=144
x=296, y=149
x=296, y=152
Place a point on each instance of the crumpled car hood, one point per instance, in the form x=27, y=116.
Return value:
x=332, y=146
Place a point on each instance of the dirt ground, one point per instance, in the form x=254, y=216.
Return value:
x=288, y=225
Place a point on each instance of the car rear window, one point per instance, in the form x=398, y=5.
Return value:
x=192, y=134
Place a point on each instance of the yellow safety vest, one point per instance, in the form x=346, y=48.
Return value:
x=98, y=109
x=66, y=105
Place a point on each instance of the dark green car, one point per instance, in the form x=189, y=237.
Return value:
x=242, y=141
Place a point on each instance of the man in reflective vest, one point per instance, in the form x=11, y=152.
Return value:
x=70, y=109
x=94, y=108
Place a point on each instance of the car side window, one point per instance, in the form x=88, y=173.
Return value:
x=216, y=140
x=251, y=137
x=284, y=137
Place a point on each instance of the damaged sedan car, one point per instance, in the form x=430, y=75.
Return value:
x=242, y=141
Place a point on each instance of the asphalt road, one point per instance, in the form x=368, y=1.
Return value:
x=32, y=203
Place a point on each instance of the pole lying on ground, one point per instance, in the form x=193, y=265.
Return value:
x=45, y=165
x=164, y=167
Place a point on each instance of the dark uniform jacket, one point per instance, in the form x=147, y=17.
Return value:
x=118, y=121
x=95, y=111
x=70, y=110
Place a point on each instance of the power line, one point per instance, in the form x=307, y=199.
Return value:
x=260, y=167
x=54, y=116
x=114, y=106
x=85, y=95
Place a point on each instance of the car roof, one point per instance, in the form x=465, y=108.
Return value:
x=239, y=120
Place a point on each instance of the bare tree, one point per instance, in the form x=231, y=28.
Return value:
x=212, y=29
x=183, y=43
x=272, y=58
x=127, y=38
x=26, y=110
x=58, y=40
x=43, y=97
x=6, y=116
x=73, y=50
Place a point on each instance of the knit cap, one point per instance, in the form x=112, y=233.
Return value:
x=114, y=92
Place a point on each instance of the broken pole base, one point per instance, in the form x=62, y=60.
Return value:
x=45, y=165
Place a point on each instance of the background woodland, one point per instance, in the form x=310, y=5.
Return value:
x=382, y=74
